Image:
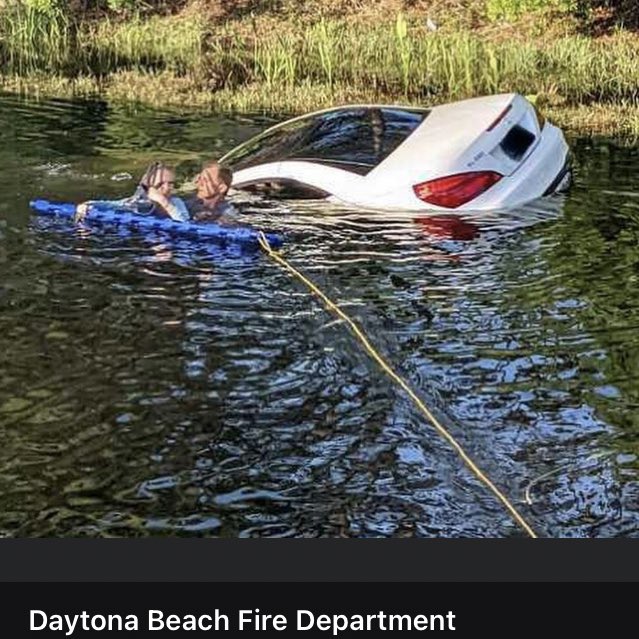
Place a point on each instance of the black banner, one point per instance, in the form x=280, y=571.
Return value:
x=321, y=588
x=317, y=610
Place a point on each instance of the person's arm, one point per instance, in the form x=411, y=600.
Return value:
x=82, y=209
x=132, y=202
x=172, y=207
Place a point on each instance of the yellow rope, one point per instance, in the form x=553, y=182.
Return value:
x=387, y=368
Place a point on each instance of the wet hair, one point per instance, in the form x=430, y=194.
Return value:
x=225, y=173
x=153, y=170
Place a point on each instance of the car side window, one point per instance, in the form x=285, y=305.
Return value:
x=355, y=139
x=286, y=189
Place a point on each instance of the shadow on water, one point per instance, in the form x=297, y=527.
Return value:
x=150, y=386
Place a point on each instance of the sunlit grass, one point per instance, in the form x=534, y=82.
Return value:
x=410, y=61
x=167, y=43
x=31, y=39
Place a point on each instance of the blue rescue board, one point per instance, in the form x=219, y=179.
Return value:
x=102, y=213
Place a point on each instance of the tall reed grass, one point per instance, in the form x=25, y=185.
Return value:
x=394, y=59
x=175, y=44
x=404, y=46
x=32, y=39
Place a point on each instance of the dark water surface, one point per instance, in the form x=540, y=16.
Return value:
x=150, y=387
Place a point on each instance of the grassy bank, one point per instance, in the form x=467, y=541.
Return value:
x=299, y=63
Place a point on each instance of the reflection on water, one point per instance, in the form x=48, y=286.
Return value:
x=152, y=386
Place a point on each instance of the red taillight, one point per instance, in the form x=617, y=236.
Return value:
x=454, y=190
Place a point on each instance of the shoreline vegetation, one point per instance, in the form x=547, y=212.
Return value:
x=577, y=59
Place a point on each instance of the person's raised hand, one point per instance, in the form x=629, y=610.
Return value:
x=208, y=185
x=150, y=176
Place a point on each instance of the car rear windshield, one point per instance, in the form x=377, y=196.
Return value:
x=354, y=139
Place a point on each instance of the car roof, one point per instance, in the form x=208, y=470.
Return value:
x=404, y=107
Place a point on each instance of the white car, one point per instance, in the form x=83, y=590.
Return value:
x=481, y=154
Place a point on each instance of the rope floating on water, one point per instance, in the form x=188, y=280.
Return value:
x=264, y=244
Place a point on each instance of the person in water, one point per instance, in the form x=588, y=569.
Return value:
x=153, y=196
x=208, y=203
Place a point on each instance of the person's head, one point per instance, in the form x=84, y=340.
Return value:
x=161, y=177
x=213, y=180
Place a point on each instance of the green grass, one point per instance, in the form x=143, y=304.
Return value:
x=515, y=9
x=31, y=39
x=176, y=44
x=36, y=41
x=417, y=64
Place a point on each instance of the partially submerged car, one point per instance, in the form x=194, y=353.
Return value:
x=479, y=154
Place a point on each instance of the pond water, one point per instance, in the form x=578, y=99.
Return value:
x=149, y=387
